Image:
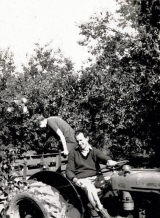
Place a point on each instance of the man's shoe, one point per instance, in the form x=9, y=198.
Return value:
x=94, y=214
x=119, y=216
x=104, y=213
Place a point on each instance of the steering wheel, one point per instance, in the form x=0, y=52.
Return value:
x=117, y=166
x=120, y=164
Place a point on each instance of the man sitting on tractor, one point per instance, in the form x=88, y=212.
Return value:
x=83, y=167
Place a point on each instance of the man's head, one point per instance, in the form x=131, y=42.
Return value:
x=39, y=120
x=82, y=138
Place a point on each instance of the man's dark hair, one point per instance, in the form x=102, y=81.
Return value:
x=83, y=131
x=37, y=118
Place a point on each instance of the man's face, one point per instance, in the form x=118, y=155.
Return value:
x=82, y=141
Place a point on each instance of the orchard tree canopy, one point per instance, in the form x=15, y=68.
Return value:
x=126, y=78
x=116, y=98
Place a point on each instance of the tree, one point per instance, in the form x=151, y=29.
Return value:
x=125, y=72
x=7, y=67
x=43, y=88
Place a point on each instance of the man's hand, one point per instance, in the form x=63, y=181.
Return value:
x=78, y=182
x=111, y=163
x=65, y=152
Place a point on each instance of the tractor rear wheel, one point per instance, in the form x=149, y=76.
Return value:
x=40, y=201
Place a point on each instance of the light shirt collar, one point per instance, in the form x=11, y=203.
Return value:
x=86, y=150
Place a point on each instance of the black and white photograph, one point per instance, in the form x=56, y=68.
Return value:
x=79, y=108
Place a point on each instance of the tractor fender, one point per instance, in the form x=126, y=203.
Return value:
x=62, y=184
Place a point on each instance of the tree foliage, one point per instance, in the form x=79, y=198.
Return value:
x=116, y=98
x=47, y=80
x=126, y=78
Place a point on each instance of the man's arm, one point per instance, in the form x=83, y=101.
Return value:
x=104, y=158
x=52, y=123
x=70, y=169
x=63, y=140
x=101, y=156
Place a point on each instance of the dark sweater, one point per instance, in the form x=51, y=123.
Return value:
x=79, y=166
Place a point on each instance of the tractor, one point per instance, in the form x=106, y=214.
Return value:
x=40, y=189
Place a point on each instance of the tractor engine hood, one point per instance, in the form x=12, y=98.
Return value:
x=137, y=180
